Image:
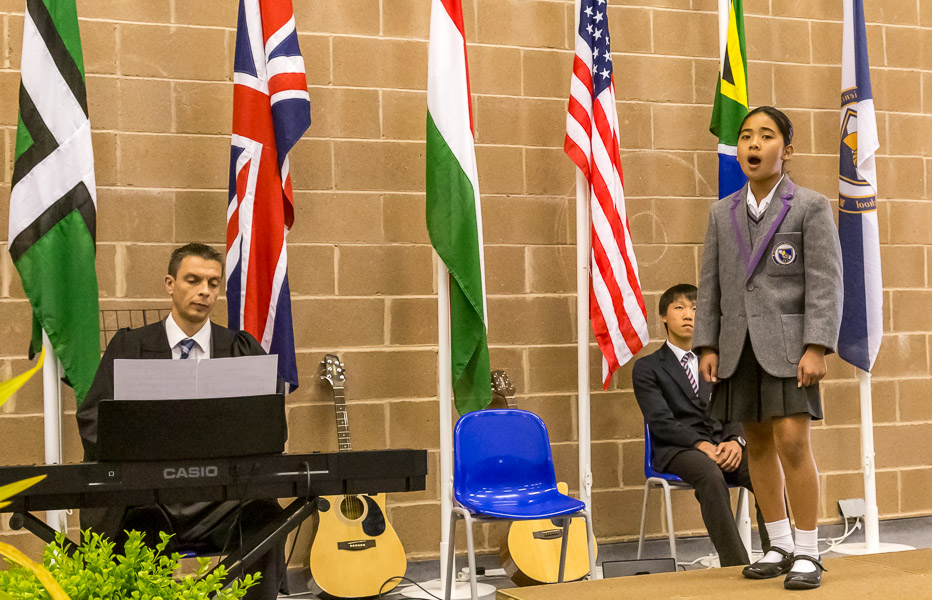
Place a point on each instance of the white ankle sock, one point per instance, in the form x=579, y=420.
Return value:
x=807, y=544
x=781, y=536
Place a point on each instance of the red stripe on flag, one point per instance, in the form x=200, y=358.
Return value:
x=252, y=116
x=287, y=81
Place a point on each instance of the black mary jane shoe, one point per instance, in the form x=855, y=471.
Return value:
x=769, y=570
x=805, y=581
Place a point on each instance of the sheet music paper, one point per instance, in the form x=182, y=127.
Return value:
x=166, y=379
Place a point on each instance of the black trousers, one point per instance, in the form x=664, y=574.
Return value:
x=211, y=528
x=711, y=485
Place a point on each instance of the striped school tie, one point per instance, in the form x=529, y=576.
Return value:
x=689, y=372
x=186, y=344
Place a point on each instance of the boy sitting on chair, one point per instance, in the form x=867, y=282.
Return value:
x=686, y=441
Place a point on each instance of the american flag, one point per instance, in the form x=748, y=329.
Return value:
x=616, y=307
x=271, y=110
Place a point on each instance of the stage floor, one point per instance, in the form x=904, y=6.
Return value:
x=893, y=576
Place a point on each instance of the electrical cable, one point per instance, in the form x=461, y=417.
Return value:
x=409, y=580
x=833, y=542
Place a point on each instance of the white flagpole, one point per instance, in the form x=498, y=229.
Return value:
x=51, y=395
x=582, y=337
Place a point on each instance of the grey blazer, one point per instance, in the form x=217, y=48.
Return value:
x=786, y=292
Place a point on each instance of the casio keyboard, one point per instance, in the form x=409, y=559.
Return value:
x=303, y=477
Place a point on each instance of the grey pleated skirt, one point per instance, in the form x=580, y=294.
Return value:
x=751, y=395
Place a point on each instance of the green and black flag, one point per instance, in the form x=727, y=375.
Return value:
x=53, y=203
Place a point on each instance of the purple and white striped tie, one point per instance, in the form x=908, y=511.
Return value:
x=689, y=372
x=186, y=344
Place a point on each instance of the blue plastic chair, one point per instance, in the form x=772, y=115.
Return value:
x=503, y=470
x=669, y=481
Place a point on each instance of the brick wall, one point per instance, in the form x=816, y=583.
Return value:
x=362, y=271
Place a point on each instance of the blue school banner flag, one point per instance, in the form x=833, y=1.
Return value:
x=858, y=230
x=731, y=102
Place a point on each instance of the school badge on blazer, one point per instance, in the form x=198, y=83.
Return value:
x=785, y=254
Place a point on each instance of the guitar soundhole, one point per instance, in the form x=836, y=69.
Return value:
x=351, y=507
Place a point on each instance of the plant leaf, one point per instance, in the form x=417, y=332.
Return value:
x=44, y=576
x=8, y=388
x=11, y=489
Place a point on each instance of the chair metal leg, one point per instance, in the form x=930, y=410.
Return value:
x=590, y=544
x=743, y=519
x=471, y=556
x=566, y=537
x=451, y=556
x=669, y=503
x=643, y=520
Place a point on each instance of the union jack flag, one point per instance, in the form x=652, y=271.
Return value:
x=616, y=307
x=271, y=110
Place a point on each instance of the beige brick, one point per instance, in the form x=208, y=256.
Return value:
x=174, y=161
x=23, y=439
x=103, y=102
x=539, y=320
x=316, y=51
x=877, y=56
x=558, y=413
x=13, y=44
x=105, y=158
x=913, y=399
x=25, y=542
x=131, y=215
x=825, y=132
x=16, y=326
x=616, y=416
x=609, y=506
x=656, y=79
x=897, y=90
x=807, y=9
x=660, y=266
x=904, y=266
x=806, y=86
x=686, y=513
x=350, y=113
x=158, y=11
x=494, y=70
x=760, y=83
x=632, y=462
x=802, y=131
x=817, y=172
x=768, y=39
x=552, y=269
x=566, y=464
x=901, y=355
x=828, y=48
x=105, y=264
x=671, y=173
x=916, y=489
x=333, y=17
x=683, y=33
x=606, y=464
x=903, y=445
x=825, y=444
x=373, y=62
x=413, y=424
x=545, y=74
x=907, y=221
x=706, y=80
x=893, y=12
x=143, y=52
x=707, y=174
x=906, y=135
x=419, y=526
x=144, y=270
x=504, y=269
x=311, y=428
x=524, y=220
x=403, y=219
x=630, y=28
x=549, y=172
x=146, y=105
x=404, y=115
x=379, y=166
x=902, y=178
x=911, y=310
x=199, y=216
x=840, y=486
x=516, y=23
x=902, y=44
x=310, y=269
x=501, y=169
x=551, y=369
x=405, y=19
x=520, y=121
x=218, y=14
x=389, y=270
x=201, y=107
x=394, y=374
x=322, y=217
x=311, y=164
x=681, y=127
x=330, y=322
x=412, y=321
x=635, y=125
x=680, y=221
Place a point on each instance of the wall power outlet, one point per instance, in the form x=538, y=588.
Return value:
x=851, y=508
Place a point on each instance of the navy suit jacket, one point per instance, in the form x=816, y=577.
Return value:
x=678, y=418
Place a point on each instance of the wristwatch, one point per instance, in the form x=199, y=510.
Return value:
x=741, y=441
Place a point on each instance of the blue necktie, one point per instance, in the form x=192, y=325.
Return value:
x=186, y=344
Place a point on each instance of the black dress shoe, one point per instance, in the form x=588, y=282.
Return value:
x=804, y=581
x=769, y=570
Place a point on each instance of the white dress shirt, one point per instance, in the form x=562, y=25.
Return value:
x=757, y=209
x=201, y=347
x=692, y=363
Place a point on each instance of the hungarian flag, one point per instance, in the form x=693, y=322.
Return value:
x=858, y=230
x=731, y=103
x=53, y=204
x=271, y=111
x=454, y=218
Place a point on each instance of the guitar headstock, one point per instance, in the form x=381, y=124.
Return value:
x=333, y=371
x=502, y=386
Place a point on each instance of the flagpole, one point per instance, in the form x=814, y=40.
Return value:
x=52, y=410
x=445, y=396
x=582, y=337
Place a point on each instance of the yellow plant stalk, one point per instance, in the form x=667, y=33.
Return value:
x=44, y=576
x=11, y=489
x=8, y=388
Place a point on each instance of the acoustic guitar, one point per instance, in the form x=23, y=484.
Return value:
x=356, y=549
x=530, y=551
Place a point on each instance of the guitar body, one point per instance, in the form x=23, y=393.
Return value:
x=530, y=552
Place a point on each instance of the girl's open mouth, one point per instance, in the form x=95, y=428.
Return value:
x=754, y=160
